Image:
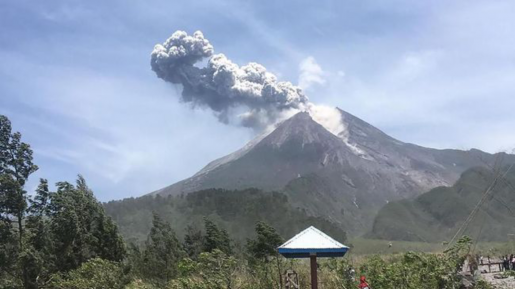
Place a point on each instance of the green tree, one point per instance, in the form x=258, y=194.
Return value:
x=263, y=250
x=162, y=253
x=15, y=168
x=80, y=228
x=56, y=232
x=39, y=204
x=37, y=259
x=458, y=252
x=8, y=257
x=193, y=242
x=216, y=238
x=266, y=243
x=65, y=229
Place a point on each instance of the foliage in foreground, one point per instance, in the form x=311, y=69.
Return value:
x=95, y=274
x=216, y=270
x=409, y=270
x=50, y=232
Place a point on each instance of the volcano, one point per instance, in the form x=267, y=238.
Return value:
x=344, y=176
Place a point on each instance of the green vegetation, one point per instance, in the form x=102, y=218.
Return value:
x=407, y=270
x=237, y=212
x=51, y=232
x=364, y=246
x=65, y=239
x=94, y=274
x=161, y=253
x=438, y=214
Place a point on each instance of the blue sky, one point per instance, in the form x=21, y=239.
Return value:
x=75, y=78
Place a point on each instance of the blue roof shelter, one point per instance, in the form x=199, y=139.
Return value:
x=312, y=243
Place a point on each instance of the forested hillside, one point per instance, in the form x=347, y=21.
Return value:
x=437, y=215
x=235, y=210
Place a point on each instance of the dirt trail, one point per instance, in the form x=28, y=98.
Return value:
x=508, y=283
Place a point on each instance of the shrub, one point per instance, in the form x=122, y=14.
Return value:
x=95, y=274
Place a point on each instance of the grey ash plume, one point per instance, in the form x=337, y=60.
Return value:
x=250, y=91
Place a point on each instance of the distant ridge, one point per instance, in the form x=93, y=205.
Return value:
x=437, y=215
x=346, y=177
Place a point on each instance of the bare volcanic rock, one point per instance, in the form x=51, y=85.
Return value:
x=345, y=177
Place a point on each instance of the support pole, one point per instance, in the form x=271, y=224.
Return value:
x=314, y=277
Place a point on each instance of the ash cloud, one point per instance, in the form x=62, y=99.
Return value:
x=250, y=91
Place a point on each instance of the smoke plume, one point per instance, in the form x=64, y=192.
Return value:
x=250, y=91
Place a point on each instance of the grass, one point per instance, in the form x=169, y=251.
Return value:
x=363, y=246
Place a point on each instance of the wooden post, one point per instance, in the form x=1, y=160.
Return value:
x=314, y=277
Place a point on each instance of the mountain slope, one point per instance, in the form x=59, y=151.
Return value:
x=437, y=214
x=346, y=177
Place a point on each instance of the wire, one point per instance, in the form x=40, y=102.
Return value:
x=481, y=201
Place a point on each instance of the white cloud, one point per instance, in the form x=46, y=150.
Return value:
x=310, y=73
x=413, y=65
x=435, y=74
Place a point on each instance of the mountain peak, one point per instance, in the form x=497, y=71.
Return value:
x=303, y=115
x=333, y=163
x=358, y=130
x=300, y=128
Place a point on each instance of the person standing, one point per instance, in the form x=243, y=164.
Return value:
x=512, y=259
